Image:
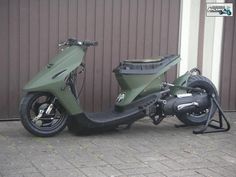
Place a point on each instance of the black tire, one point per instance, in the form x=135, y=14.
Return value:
x=197, y=81
x=26, y=118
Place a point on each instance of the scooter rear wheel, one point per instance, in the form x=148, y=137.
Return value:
x=198, y=81
x=46, y=125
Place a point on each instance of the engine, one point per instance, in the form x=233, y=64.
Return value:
x=186, y=103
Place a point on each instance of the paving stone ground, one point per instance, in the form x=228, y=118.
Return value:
x=144, y=150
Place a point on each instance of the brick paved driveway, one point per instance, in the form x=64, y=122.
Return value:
x=144, y=150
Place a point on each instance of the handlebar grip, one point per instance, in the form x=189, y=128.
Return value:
x=90, y=43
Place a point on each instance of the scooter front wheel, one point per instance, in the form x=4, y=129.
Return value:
x=42, y=115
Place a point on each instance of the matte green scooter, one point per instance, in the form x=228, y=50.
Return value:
x=51, y=100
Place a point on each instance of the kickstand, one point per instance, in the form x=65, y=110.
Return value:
x=216, y=128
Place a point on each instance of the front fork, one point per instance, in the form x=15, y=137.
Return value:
x=50, y=107
x=42, y=111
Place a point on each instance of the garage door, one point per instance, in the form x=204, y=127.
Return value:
x=31, y=29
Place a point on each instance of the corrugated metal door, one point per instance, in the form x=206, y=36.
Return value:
x=31, y=29
x=228, y=64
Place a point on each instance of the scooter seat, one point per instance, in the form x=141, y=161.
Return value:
x=145, y=66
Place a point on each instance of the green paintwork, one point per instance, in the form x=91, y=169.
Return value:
x=52, y=79
x=133, y=86
x=154, y=86
x=67, y=60
x=180, y=81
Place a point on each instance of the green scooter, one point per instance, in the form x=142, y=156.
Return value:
x=51, y=101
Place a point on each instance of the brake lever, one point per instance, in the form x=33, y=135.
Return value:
x=62, y=44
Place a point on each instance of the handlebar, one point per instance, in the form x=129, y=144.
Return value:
x=90, y=43
x=75, y=42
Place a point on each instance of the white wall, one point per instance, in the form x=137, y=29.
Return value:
x=189, y=32
x=212, y=47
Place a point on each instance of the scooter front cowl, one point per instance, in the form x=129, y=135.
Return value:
x=52, y=78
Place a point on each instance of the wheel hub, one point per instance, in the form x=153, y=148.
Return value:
x=43, y=107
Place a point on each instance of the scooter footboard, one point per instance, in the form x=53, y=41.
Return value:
x=105, y=119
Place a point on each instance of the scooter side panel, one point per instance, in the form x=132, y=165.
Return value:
x=131, y=87
x=134, y=85
x=154, y=86
x=52, y=78
x=180, y=81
